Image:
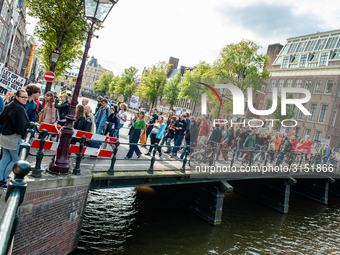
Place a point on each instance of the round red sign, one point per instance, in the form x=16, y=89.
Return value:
x=49, y=76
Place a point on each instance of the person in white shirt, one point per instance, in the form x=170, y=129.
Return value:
x=122, y=115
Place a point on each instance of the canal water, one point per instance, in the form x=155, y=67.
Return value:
x=143, y=221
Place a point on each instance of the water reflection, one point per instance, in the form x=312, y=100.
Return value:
x=141, y=221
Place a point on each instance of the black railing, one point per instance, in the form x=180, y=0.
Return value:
x=15, y=195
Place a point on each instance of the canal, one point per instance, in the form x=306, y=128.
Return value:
x=143, y=221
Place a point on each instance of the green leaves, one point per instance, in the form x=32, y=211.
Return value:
x=171, y=90
x=153, y=81
x=60, y=26
x=103, y=84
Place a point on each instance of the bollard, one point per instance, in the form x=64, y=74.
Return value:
x=36, y=172
x=185, y=158
x=111, y=170
x=76, y=170
x=153, y=159
x=233, y=159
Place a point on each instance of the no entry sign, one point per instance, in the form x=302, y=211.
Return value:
x=49, y=76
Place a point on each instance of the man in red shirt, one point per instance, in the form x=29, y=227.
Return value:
x=294, y=142
x=204, y=131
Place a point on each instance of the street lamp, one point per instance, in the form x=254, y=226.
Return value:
x=97, y=11
x=54, y=59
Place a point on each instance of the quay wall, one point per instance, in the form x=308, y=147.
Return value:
x=50, y=217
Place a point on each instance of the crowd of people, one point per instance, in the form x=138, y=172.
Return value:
x=172, y=133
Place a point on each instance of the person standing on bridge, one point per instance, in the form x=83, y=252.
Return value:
x=101, y=116
x=139, y=125
x=156, y=135
x=122, y=116
x=14, y=121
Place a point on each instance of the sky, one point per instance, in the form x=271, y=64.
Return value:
x=141, y=33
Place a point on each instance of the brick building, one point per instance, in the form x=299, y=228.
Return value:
x=311, y=62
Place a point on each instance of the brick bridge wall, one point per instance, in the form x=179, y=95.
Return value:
x=50, y=220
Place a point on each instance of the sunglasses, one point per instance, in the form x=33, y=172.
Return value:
x=23, y=97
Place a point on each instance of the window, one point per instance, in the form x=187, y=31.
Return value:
x=321, y=44
x=293, y=66
x=4, y=10
x=306, y=133
x=298, y=83
x=301, y=47
x=331, y=42
x=292, y=106
x=278, y=60
x=298, y=130
x=335, y=55
x=285, y=62
x=268, y=104
x=3, y=36
x=312, y=110
x=285, y=49
x=292, y=48
x=329, y=86
x=308, y=84
x=314, y=56
x=300, y=114
x=280, y=85
x=312, y=64
x=324, y=58
x=310, y=45
x=303, y=60
x=294, y=58
x=323, y=113
x=256, y=96
x=289, y=83
x=334, y=116
x=317, y=88
x=317, y=137
x=272, y=85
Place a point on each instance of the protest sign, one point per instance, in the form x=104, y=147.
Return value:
x=178, y=111
x=134, y=102
x=11, y=81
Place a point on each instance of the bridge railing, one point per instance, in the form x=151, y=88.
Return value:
x=208, y=154
x=15, y=195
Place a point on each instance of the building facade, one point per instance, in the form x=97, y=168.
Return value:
x=92, y=72
x=15, y=45
x=311, y=62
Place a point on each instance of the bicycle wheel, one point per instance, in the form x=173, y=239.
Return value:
x=196, y=158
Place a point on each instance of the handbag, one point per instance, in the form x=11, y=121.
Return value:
x=41, y=117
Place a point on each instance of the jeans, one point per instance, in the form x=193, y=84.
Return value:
x=185, y=149
x=239, y=147
x=134, y=148
x=168, y=142
x=280, y=158
x=178, y=140
x=99, y=129
x=116, y=134
x=9, y=157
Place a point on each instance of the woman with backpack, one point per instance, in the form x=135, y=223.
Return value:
x=171, y=133
x=90, y=126
x=47, y=114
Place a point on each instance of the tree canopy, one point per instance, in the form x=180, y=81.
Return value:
x=171, y=90
x=153, y=81
x=60, y=26
x=103, y=84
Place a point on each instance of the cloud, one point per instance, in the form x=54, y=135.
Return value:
x=273, y=20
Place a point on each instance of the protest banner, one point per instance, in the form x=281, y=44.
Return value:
x=178, y=111
x=11, y=81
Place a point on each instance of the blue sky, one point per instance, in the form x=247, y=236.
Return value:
x=141, y=33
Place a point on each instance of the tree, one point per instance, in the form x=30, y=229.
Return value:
x=126, y=84
x=171, y=90
x=153, y=81
x=60, y=26
x=241, y=61
x=290, y=113
x=102, y=85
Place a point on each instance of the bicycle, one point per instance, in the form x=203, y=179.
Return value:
x=246, y=158
x=202, y=155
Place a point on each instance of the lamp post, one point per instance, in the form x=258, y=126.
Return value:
x=55, y=56
x=97, y=11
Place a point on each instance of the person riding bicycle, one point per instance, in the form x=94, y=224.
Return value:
x=248, y=143
x=288, y=145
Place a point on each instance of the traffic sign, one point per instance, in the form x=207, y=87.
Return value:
x=49, y=76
